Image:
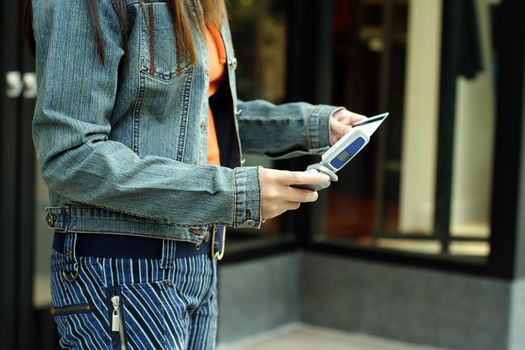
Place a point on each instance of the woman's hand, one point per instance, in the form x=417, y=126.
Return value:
x=341, y=122
x=276, y=194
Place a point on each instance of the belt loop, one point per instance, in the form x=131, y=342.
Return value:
x=70, y=270
x=169, y=249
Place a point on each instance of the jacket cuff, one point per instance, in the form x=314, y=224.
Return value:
x=247, y=198
x=319, y=126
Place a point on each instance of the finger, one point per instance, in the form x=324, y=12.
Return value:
x=338, y=128
x=355, y=117
x=293, y=205
x=293, y=194
x=347, y=117
x=309, y=196
x=342, y=116
x=303, y=178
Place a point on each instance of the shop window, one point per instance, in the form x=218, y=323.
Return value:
x=388, y=196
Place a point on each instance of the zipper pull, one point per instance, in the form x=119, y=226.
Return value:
x=115, y=317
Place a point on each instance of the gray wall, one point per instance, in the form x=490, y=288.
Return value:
x=421, y=306
x=517, y=316
x=415, y=305
x=257, y=296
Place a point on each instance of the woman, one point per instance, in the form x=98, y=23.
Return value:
x=138, y=129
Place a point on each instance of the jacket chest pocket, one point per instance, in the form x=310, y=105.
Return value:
x=159, y=57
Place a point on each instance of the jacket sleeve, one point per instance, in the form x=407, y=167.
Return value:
x=283, y=131
x=72, y=125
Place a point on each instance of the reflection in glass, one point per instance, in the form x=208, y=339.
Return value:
x=473, y=141
x=386, y=196
x=359, y=45
x=259, y=34
x=418, y=167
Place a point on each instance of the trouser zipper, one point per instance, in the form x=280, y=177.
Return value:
x=56, y=311
x=116, y=321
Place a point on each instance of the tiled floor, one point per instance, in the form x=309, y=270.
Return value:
x=304, y=337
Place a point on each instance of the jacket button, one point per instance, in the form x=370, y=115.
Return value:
x=238, y=112
x=50, y=218
x=250, y=223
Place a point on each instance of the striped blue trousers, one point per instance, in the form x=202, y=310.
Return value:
x=117, y=303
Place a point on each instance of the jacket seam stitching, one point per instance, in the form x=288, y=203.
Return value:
x=136, y=114
x=184, y=117
x=234, y=211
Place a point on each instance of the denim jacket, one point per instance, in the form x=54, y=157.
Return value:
x=122, y=145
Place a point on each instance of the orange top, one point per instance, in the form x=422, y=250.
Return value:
x=217, y=59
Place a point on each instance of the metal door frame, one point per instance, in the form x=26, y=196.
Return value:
x=17, y=317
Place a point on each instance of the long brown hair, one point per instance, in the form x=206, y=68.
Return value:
x=182, y=12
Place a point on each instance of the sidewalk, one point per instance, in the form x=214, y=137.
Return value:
x=306, y=337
